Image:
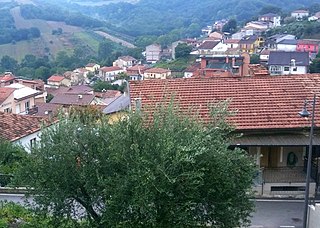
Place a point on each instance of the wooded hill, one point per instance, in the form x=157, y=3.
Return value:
x=158, y=17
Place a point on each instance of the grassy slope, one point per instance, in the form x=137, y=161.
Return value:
x=47, y=40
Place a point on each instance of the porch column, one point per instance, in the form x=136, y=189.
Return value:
x=258, y=156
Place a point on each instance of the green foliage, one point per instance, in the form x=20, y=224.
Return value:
x=10, y=158
x=270, y=9
x=178, y=65
x=254, y=59
x=230, y=26
x=8, y=63
x=315, y=66
x=52, y=12
x=15, y=215
x=164, y=169
x=301, y=29
x=102, y=85
x=182, y=50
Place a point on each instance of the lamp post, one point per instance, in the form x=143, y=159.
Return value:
x=305, y=113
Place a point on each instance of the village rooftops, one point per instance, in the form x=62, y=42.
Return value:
x=14, y=127
x=258, y=102
x=127, y=58
x=56, y=78
x=157, y=70
x=288, y=42
x=286, y=58
x=73, y=99
x=5, y=93
x=22, y=92
x=208, y=44
x=110, y=69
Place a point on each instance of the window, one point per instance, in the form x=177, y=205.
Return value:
x=7, y=110
x=33, y=142
x=27, y=105
x=294, y=69
x=286, y=68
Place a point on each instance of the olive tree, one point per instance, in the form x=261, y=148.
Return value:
x=165, y=169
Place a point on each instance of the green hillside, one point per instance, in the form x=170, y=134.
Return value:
x=157, y=17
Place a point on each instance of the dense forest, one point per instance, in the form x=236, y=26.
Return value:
x=54, y=13
x=158, y=17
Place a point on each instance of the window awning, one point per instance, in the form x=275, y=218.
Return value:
x=276, y=140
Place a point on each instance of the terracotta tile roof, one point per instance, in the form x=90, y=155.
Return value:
x=7, y=77
x=56, y=78
x=258, y=70
x=260, y=102
x=91, y=64
x=137, y=67
x=157, y=70
x=127, y=58
x=109, y=69
x=5, y=93
x=14, y=127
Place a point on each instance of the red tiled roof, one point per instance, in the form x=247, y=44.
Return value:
x=157, y=70
x=5, y=93
x=56, y=78
x=91, y=64
x=14, y=127
x=137, y=67
x=7, y=77
x=109, y=69
x=260, y=102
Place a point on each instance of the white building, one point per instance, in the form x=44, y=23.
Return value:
x=271, y=17
x=110, y=73
x=300, y=14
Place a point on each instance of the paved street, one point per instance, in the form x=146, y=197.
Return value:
x=280, y=213
x=269, y=213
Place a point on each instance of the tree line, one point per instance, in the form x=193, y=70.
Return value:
x=10, y=34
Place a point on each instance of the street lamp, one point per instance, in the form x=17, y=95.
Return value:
x=305, y=113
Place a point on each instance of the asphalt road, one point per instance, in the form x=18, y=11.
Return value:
x=278, y=213
x=268, y=214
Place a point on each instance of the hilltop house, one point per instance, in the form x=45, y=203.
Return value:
x=58, y=80
x=300, y=14
x=92, y=67
x=266, y=121
x=308, y=45
x=282, y=63
x=153, y=53
x=156, y=73
x=24, y=98
x=271, y=17
x=209, y=47
x=251, y=44
x=110, y=73
x=287, y=45
x=125, y=61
